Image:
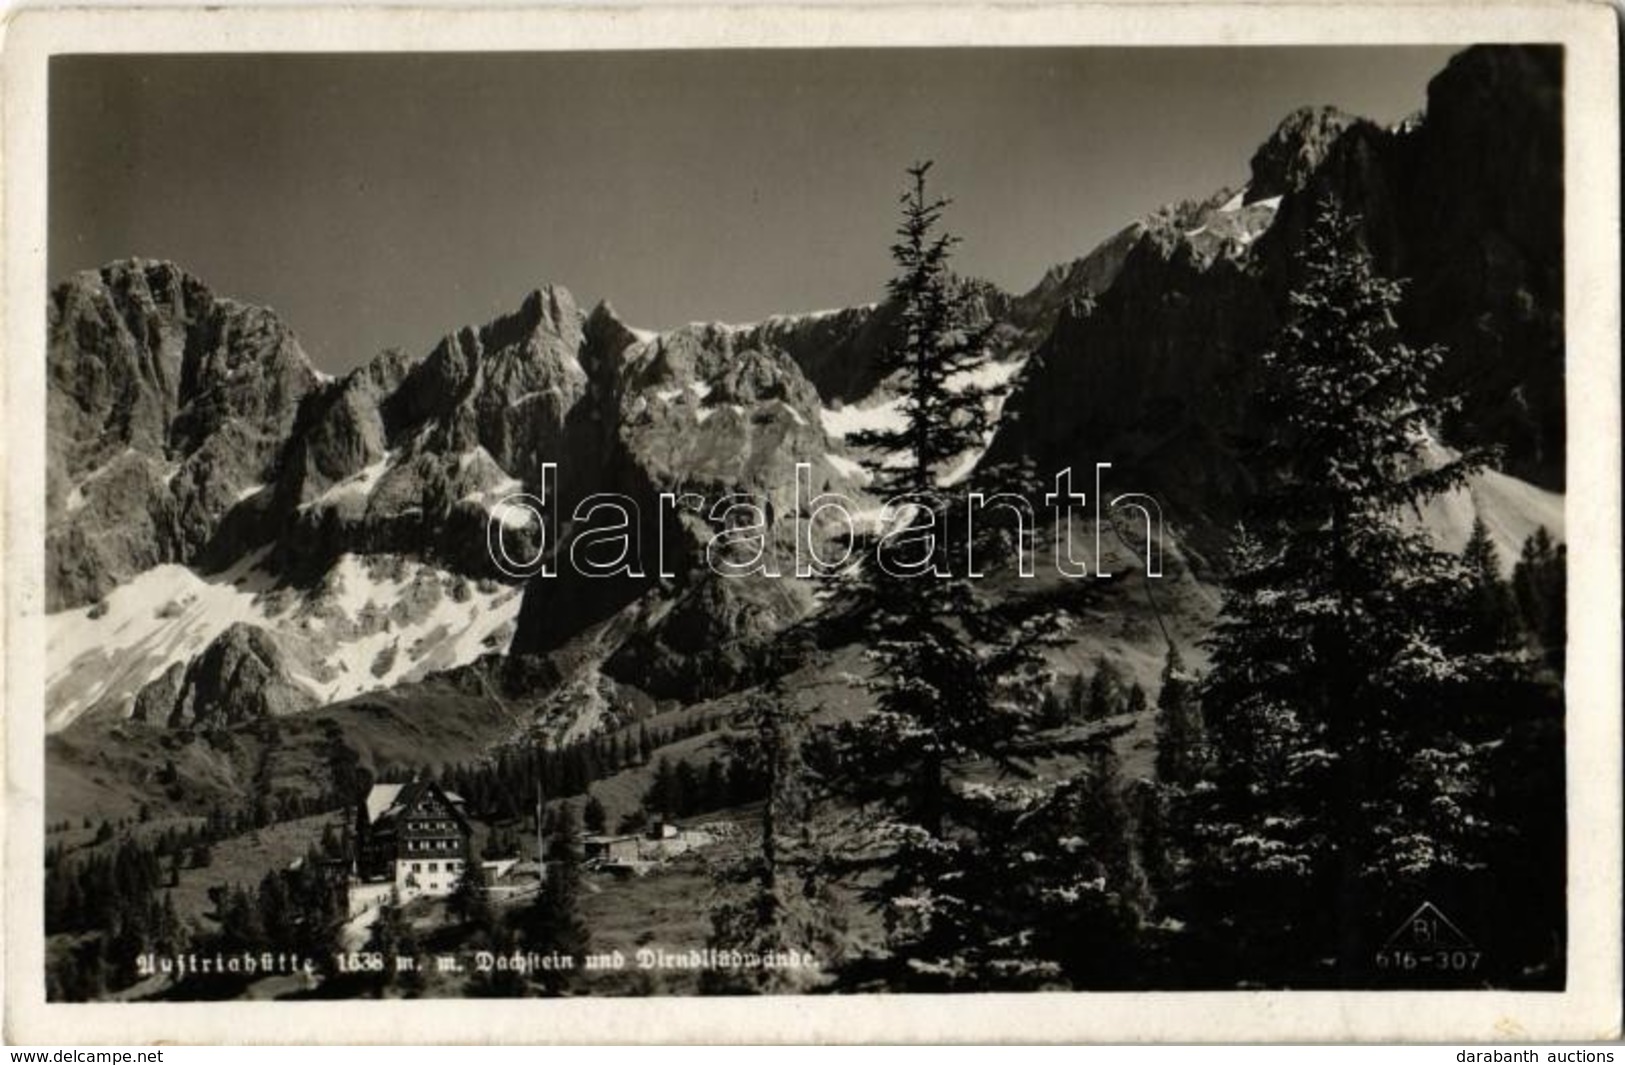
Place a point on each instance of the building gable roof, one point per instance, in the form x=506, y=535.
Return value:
x=381, y=798
x=387, y=802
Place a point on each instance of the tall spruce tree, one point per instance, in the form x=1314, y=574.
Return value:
x=1105, y=692
x=594, y=816
x=1336, y=657
x=390, y=937
x=938, y=348
x=958, y=679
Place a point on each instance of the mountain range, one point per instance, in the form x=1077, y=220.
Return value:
x=234, y=535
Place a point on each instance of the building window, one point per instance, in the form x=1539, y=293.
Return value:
x=417, y=867
x=434, y=867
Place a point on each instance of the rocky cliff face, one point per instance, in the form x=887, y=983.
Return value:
x=225, y=447
x=1485, y=196
x=707, y=412
x=1155, y=373
x=1289, y=158
x=411, y=457
x=165, y=406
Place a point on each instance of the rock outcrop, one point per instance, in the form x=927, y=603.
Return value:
x=242, y=675
x=706, y=413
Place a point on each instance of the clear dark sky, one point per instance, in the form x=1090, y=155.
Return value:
x=381, y=201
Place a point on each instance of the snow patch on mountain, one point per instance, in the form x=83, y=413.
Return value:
x=842, y=422
x=962, y=468
x=847, y=468
x=990, y=374
x=371, y=622
x=358, y=485
x=389, y=621
x=167, y=614
x=499, y=486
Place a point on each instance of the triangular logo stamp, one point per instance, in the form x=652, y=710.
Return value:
x=1428, y=929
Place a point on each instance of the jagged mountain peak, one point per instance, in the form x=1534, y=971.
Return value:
x=1292, y=153
x=605, y=318
x=552, y=309
x=154, y=280
x=607, y=338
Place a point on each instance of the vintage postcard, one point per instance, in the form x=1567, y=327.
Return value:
x=1010, y=522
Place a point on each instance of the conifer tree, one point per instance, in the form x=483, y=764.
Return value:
x=469, y=900
x=1179, y=724
x=937, y=350
x=661, y=798
x=391, y=937
x=553, y=922
x=1493, y=613
x=498, y=982
x=958, y=678
x=1093, y=894
x=1540, y=587
x=1103, y=693
x=1332, y=656
x=775, y=900
x=1077, y=697
x=594, y=816
x=1052, y=711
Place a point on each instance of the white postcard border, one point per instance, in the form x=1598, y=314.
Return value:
x=1589, y=1009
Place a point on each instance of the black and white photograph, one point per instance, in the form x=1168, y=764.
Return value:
x=811, y=521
